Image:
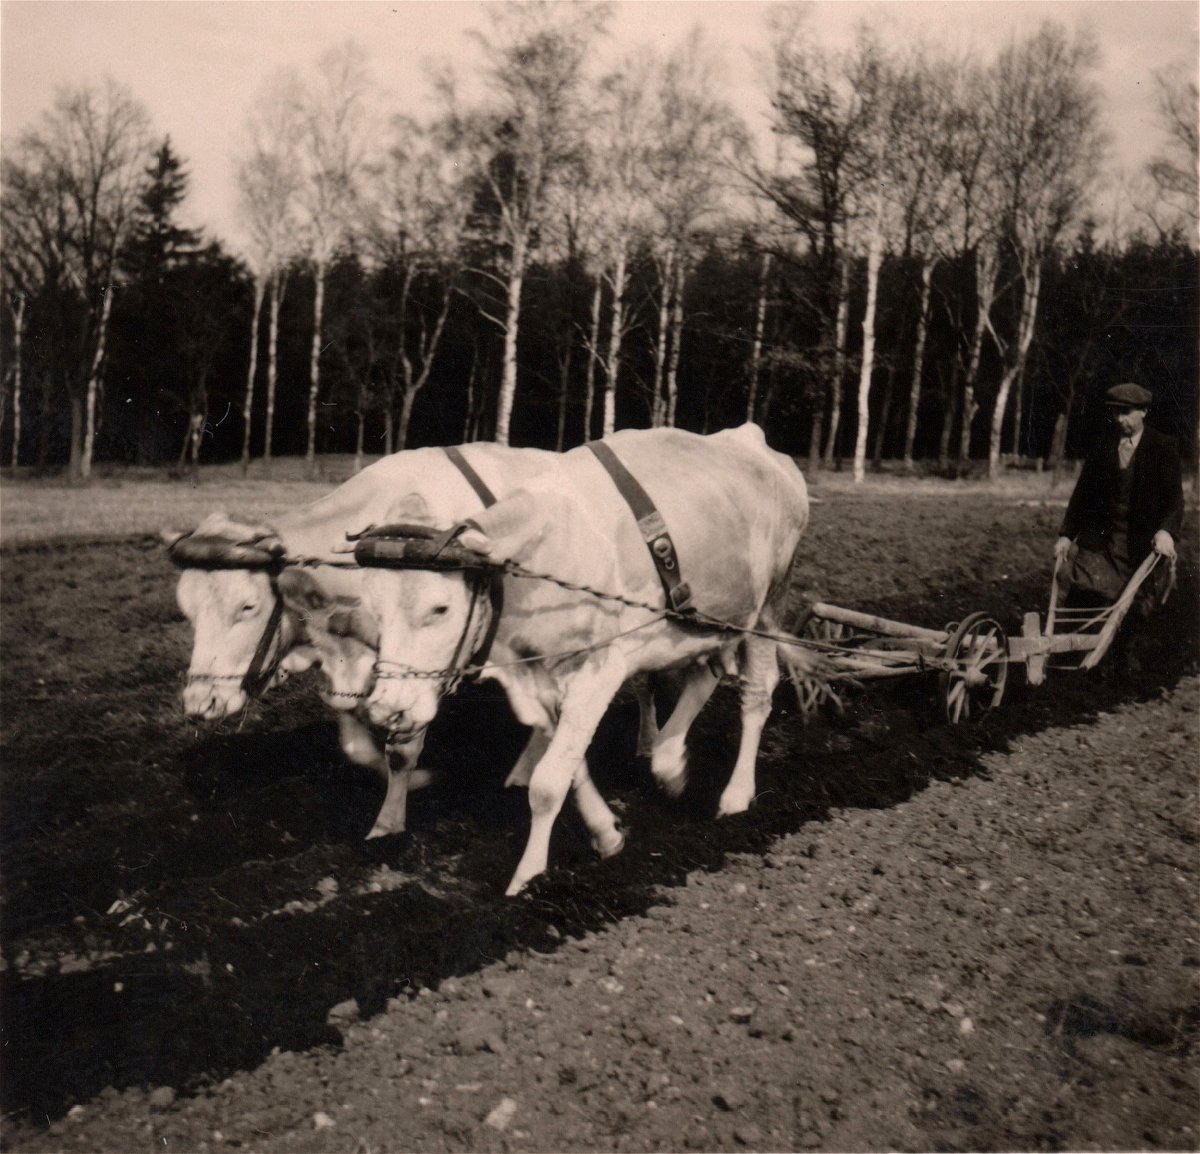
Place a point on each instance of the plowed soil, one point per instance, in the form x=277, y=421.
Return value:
x=919, y=938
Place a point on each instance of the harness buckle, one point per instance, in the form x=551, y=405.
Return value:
x=681, y=598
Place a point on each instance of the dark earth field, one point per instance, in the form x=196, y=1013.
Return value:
x=919, y=938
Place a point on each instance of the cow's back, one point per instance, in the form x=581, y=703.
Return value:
x=735, y=509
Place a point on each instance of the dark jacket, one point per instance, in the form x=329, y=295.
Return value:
x=1155, y=498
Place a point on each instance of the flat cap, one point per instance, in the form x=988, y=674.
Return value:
x=1129, y=396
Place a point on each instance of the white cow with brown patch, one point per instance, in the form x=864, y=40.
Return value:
x=736, y=511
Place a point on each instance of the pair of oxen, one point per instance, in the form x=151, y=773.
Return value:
x=544, y=583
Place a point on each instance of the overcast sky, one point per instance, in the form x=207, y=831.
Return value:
x=198, y=65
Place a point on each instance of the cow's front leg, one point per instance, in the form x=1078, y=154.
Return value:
x=759, y=676
x=403, y=777
x=668, y=762
x=588, y=695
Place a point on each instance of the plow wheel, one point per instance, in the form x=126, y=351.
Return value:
x=979, y=650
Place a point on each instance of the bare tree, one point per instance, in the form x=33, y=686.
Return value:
x=70, y=187
x=332, y=116
x=268, y=187
x=514, y=145
x=821, y=112
x=621, y=134
x=16, y=305
x=413, y=224
x=1046, y=148
x=696, y=134
x=1174, y=171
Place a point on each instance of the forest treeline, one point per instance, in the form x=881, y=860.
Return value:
x=913, y=267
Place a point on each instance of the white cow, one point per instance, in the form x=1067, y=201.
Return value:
x=321, y=620
x=736, y=511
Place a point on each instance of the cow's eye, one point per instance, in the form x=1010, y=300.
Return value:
x=439, y=611
x=249, y=608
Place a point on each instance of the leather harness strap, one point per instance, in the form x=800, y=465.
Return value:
x=495, y=588
x=256, y=678
x=651, y=525
x=473, y=478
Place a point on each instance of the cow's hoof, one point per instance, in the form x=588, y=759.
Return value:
x=516, y=886
x=384, y=829
x=731, y=804
x=609, y=844
x=672, y=785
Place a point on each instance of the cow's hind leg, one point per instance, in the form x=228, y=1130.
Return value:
x=759, y=677
x=668, y=762
x=535, y=749
x=587, y=697
x=648, y=731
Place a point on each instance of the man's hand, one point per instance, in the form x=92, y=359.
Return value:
x=1164, y=543
x=1061, y=546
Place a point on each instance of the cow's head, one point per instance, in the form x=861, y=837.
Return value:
x=343, y=635
x=234, y=616
x=431, y=621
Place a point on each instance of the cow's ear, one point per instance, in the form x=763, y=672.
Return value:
x=301, y=590
x=169, y=536
x=411, y=508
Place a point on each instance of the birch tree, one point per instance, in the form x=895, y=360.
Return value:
x=70, y=187
x=268, y=188
x=413, y=222
x=332, y=143
x=695, y=136
x=621, y=135
x=1046, y=147
x=514, y=143
x=1175, y=169
x=822, y=113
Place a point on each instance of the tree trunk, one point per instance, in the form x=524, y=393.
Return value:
x=885, y=414
x=314, y=371
x=1058, y=442
x=839, y=363
x=407, y=397
x=564, y=383
x=260, y=287
x=658, y=409
x=1025, y=327
x=949, y=412
x=676, y=340
x=76, y=434
x=756, y=345
x=18, y=312
x=986, y=267
x=616, y=332
x=874, y=260
x=359, y=437
x=512, y=321
x=278, y=287
x=816, y=432
x=196, y=435
x=914, y=392
x=93, y=386
x=593, y=358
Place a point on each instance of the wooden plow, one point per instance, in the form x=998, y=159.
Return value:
x=971, y=658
